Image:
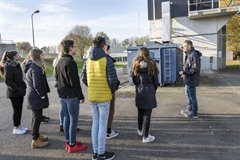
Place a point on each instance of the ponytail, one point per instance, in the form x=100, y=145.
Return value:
x=6, y=55
x=3, y=60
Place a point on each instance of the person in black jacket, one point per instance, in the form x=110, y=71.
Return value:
x=70, y=94
x=36, y=97
x=190, y=75
x=16, y=87
x=144, y=74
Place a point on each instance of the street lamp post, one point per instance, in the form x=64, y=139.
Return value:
x=37, y=11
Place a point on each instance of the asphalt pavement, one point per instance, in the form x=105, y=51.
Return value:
x=215, y=135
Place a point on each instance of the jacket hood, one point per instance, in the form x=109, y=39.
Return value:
x=96, y=53
x=27, y=66
x=194, y=50
x=11, y=63
x=143, y=67
x=199, y=53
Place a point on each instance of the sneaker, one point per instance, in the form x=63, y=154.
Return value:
x=23, y=128
x=44, y=121
x=76, y=148
x=140, y=133
x=38, y=144
x=44, y=117
x=18, y=130
x=185, y=111
x=77, y=142
x=190, y=115
x=106, y=156
x=94, y=157
x=148, y=139
x=112, y=134
x=43, y=138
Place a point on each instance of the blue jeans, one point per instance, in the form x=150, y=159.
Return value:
x=100, y=112
x=70, y=108
x=61, y=115
x=192, y=104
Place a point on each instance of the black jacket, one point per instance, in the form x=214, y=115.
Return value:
x=67, y=79
x=191, y=67
x=146, y=86
x=37, y=88
x=13, y=77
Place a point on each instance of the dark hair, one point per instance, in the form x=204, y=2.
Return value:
x=108, y=47
x=99, y=42
x=189, y=42
x=144, y=56
x=6, y=55
x=65, y=45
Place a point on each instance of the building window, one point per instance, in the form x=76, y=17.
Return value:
x=195, y=5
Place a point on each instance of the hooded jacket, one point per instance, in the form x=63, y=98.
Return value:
x=192, y=67
x=37, y=88
x=146, y=86
x=99, y=74
x=13, y=77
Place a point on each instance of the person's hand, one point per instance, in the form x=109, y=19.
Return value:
x=82, y=100
x=181, y=73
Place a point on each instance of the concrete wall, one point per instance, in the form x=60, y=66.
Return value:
x=207, y=35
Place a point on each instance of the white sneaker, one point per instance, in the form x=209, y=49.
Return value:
x=18, y=130
x=148, y=139
x=140, y=133
x=23, y=128
x=112, y=134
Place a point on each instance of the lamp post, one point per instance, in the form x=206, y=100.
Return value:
x=37, y=11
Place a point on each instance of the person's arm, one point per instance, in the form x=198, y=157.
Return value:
x=84, y=74
x=155, y=81
x=193, y=65
x=74, y=81
x=112, y=75
x=38, y=82
x=8, y=77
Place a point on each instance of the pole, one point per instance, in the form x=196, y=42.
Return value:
x=37, y=11
x=33, y=31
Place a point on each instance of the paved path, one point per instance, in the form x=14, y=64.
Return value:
x=214, y=136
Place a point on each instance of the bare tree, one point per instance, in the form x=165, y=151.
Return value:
x=81, y=34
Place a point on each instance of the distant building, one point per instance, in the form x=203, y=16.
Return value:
x=202, y=21
x=119, y=54
x=6, y=45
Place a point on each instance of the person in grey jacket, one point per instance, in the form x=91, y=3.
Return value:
x=36, y=97
x=190, y=74
x=144, y=74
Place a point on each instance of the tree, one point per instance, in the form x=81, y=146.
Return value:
x=45, y=49
x=141, y=40
x=104, y=35
x=81, y=34
x=114, y=42
x=233, y=30
x=23, y=47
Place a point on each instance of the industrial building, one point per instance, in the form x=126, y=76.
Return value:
x=202, y=21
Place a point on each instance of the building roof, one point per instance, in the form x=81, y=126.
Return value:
x=117, y=49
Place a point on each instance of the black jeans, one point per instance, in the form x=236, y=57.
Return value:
x=144, y=118
x=17, y=104
x=36, y=121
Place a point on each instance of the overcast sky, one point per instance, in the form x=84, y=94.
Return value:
x=118, y=18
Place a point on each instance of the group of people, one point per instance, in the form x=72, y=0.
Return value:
x=100, y=77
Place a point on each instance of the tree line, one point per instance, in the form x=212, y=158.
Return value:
x=82, y=36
